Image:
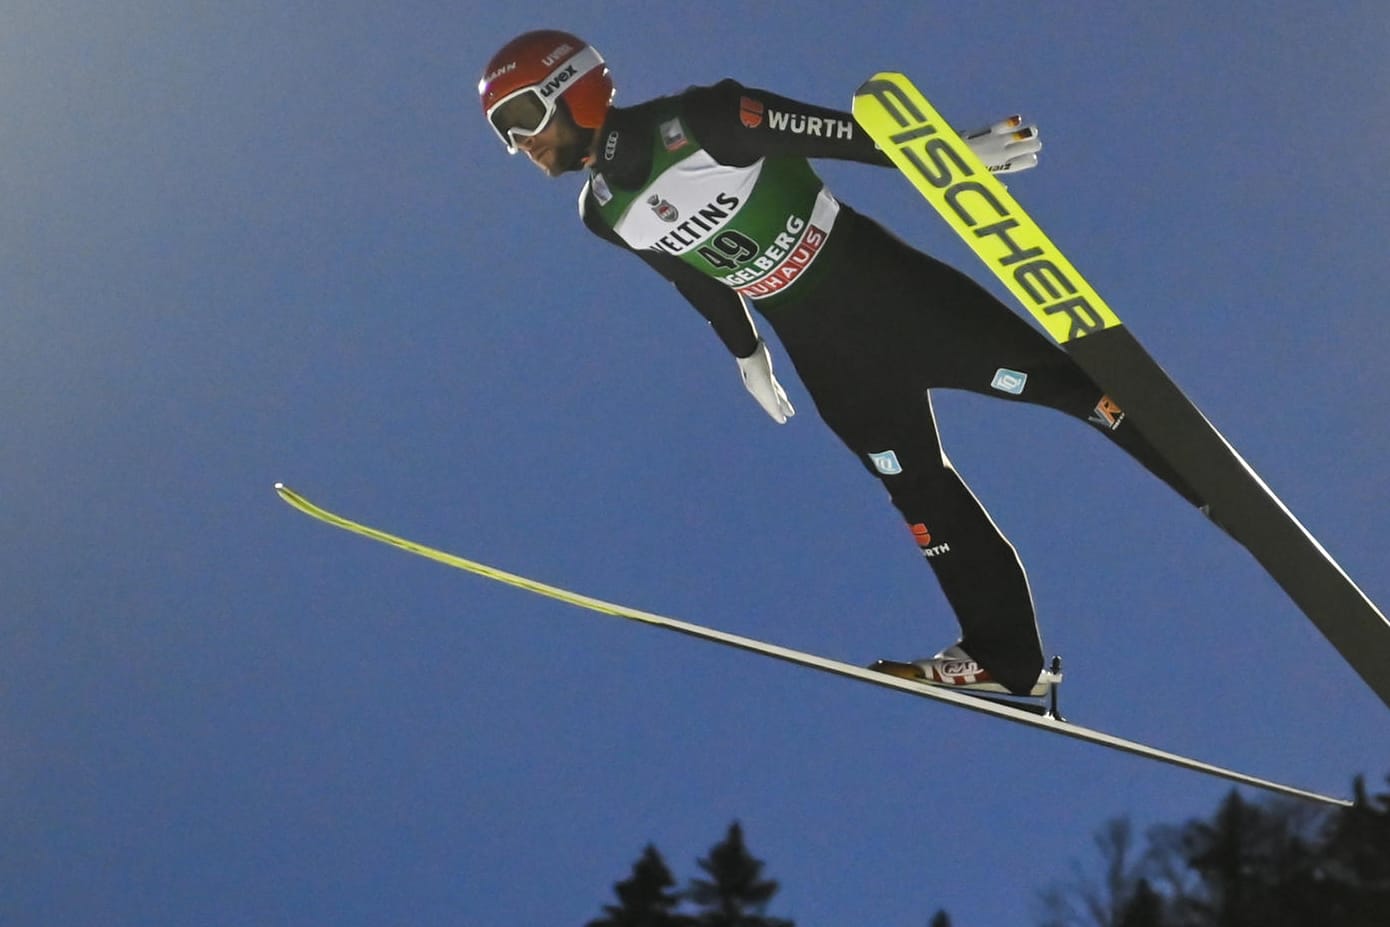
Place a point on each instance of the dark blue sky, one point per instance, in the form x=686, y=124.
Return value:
x=278, y=242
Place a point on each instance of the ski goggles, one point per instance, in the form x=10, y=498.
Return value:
x=522, y=113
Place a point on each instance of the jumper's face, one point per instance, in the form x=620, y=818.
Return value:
x=559, y=147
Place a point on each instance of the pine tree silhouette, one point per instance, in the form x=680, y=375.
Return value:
x=734, y=894
x=646, y=898
x=1357, y=855
x=1145, y=908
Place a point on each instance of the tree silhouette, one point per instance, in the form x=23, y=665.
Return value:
x=1144, y=909
x=1357, y=856
x=734, y=894
x=1255, y=866
x=1103, y=902
x=1274, y=863
x=646, y=898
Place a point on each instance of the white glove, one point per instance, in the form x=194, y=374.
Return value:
x=757, y=377
x=1006, y=146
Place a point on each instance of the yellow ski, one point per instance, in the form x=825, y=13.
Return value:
x=1007, y=712
x=974, y=203
x=945, y=171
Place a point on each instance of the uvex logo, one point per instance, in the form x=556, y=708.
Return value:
x=550, y=87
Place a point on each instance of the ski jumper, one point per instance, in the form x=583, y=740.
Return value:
x=713, y=190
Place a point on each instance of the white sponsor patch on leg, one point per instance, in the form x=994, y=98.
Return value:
x=1009, y=381
x=886, y=462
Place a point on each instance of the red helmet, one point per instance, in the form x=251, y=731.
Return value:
x=523, y=81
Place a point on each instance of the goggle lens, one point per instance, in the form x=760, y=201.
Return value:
x=525, y=114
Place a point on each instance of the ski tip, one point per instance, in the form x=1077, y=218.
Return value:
x=874, y=83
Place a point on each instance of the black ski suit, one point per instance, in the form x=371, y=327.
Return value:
x=870, y=323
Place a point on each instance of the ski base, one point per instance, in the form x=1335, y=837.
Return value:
x=978, y=702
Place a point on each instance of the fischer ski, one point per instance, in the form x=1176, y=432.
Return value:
x=946, y=172
x=1032, y=715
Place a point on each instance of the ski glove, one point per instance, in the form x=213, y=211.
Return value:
x=757, y=377
x=1006, y=146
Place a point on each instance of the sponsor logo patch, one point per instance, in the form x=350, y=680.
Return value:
x=886, y=462
x=789, y=265
x=551, y=59
x=663, y=208
x=1009, y=381
x=557, y=83
x=802, y=124
x=961, y=668
x=1107, y=414
x=599, y=187
x=701, y=222
x=504, y=69
x=673, y=135
x=750, y=112
x=923, y=537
